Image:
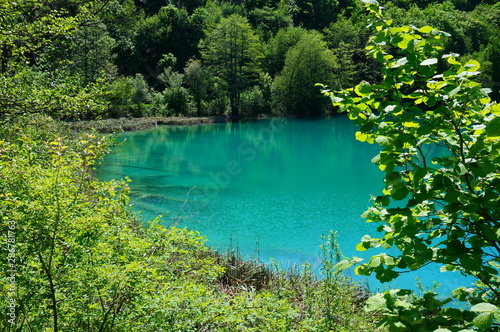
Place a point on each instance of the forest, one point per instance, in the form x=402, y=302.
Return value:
x=76, y=258
x=198, y=58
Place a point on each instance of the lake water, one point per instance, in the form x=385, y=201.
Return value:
x=269, y=188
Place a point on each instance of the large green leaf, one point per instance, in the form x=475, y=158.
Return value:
x=376, y=302
x=426, y=29
x=342, y=265
x=493, y=127
x=485, y=307
x=363, y=89
x=484, y=320
x=400, y=193
x=470, y=263
x=383, y=141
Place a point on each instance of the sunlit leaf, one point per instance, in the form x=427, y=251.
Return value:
x=411, y=124
x=382, y=141
x=472, y=65
x=429, y=62
x=363, y=89
x=376, y=302
x=483, y=321
x=485, y=307
x=493, y=127
x=342, y=265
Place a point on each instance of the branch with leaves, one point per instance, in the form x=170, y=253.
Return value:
x=439, y=135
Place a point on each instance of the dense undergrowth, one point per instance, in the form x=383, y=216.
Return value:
x=77, y=259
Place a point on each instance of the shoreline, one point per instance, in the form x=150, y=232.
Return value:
x=113, y=125
x=108, y=126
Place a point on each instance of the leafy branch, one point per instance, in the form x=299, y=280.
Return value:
x=436, y=208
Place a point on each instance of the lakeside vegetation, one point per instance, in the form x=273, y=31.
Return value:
x=76, y=258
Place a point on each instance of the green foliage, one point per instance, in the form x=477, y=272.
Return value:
x=87, y=43
x=90, y=54
x=316, y=14
x=467, y=29
x=278, y=46
x=344, y=30
x=29, y=38
x=440, y=140
x=176, y=98
x=306, y=63
x=82, y=262
x=28, y=28
x=176, y=27
x=197, y=81
x=170, y=30
x=57, y=94
x=253, y=102
x=77, y=259
x=129, y=96
x=233, y=52
x=268, y=21
x=347, y=40
x=219, y=104
x=328, y=300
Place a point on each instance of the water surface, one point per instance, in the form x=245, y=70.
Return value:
x=269, y=188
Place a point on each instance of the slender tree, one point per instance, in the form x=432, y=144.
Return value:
x=233, y=51
x=196, y=79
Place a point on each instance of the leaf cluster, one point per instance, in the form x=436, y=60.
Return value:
x=439, y=136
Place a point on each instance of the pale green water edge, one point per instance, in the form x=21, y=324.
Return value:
x=270, y=188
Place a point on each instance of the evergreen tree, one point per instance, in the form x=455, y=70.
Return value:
x=233, y=51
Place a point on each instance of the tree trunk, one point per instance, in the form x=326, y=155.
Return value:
x=235, y=106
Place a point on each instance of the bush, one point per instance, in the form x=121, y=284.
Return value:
x=177, y=100
x=82, y=262
x=129, y=97
x=252, y=102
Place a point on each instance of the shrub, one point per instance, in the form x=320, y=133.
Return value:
x=129, y=97
x=252, y=102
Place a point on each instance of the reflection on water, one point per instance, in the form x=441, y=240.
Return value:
x=270, y=188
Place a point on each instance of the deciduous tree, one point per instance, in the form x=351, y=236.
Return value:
x=440, y=138
x=307, y=63
x=30, y=33
x=196, y=79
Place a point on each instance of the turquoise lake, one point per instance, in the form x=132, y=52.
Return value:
x=269, y=188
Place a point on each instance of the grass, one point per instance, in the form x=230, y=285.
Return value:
x=324, y=300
